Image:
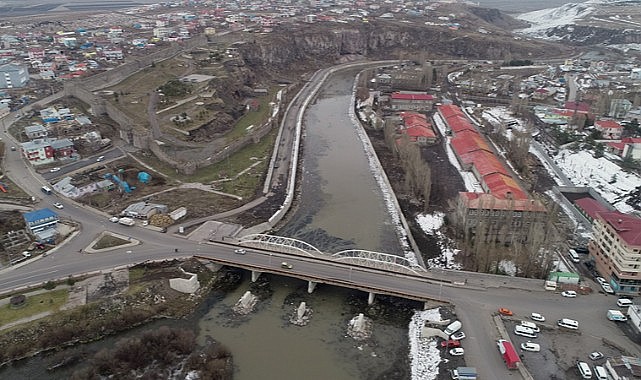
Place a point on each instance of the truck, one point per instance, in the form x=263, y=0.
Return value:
x=510, y=357
x=126, y=221
x=463, y=373
x=617, y=316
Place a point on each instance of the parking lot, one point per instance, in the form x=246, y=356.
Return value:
x=560, y=350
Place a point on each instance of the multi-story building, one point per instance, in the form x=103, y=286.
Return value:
x=13, y=75
x=609, y=129
x=616, y=250
x=619, y=108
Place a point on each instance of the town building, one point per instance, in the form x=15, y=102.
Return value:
x=501, y=206
x=144, y=210
x=628, y=147
x=13, y=75
x=410, y=101
x=609, y=129
x=619, y=108
x=615, y=249
x=35, y=131
x=42, y=224
x=46, y=150
x=416, y=127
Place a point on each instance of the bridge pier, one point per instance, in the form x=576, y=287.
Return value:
x=255, y=275
x=370, y=298
x=311, y=285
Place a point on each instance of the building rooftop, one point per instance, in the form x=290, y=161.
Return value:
x=626, y=226
x=39, y=215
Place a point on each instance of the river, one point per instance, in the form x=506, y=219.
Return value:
x=340, y=207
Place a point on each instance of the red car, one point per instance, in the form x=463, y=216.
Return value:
x=505, y=311
x=450, y=343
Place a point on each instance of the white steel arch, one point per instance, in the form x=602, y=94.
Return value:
x=377, y=260
x=279, y=243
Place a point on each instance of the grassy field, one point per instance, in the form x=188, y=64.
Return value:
x=39, y=303
x=109, y=241
x=255, y=118
x=243, y=186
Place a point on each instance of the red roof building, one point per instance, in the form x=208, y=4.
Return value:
x=417, y=128
x=411, y=101
x=590, y=207
x=609, y=129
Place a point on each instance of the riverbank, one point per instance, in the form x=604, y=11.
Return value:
x=112, y=306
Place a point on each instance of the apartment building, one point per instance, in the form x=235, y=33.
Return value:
x=616, y=250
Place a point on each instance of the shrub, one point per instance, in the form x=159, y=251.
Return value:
x=49, y=285
x=17, y=301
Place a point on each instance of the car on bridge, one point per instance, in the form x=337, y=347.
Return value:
x=240, y=251
x=286, y=265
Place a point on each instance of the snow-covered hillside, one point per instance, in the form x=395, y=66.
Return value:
x=545, y=19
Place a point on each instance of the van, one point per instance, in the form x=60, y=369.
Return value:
x=574, y=256
x=584, y=370
x=600, y=373
x=46, y=190
x=530, y=325
x=568, y=323
x=524, y=331
x=453, y=327
x=624, y=302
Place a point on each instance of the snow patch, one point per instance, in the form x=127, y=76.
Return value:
x=431, y=225
x=424, y=354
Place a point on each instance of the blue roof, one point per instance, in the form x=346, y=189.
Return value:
x=44, y=213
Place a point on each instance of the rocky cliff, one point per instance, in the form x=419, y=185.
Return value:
x=319, y=44
x=591, y=35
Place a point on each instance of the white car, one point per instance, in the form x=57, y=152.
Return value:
x=569, y=293
x=537, y=317
x=240, y=251
x=53, y=170
x=457, y=351
x=596, y=355
x=100, y=158
x=607, y=288
x=529, y=346
x=458, y=336
x=114, y=219
x=58, y=205
x=601, y=280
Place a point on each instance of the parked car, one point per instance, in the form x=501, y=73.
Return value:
x=458, y=336
x=529, y=346
x=114, y=219
x=450, y=343
x=58, y=205
x=240, y=251
x=457, y=351
x=537, y=317
x=505, y=311
x=596, y=355
x=569, y=293
x=607, y=288
x=53, y=170
x=601, y=280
